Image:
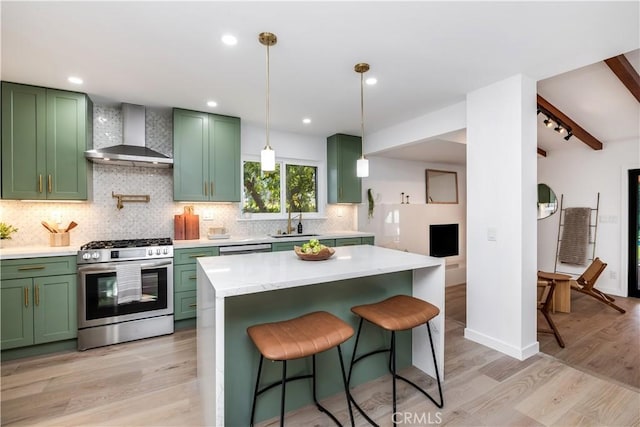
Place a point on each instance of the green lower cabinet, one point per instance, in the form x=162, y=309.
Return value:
x=288, y=246
x=368, y=240
x=184, y=279
x=351, y=241
x=38, y=310
x=184, y=305
x=55, y=313
x=17, y=313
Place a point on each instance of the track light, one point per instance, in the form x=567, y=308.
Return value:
x=552, y=121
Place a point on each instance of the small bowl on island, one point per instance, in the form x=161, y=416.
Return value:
x=313, y=251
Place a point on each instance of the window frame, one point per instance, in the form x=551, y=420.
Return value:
x=284, y=161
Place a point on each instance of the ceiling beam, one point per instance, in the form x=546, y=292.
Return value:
x=628, y=75
x=576, y=129
x=542, y=152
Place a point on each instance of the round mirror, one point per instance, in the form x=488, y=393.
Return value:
x=547, y=201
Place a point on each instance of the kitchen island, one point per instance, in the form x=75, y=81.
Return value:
x=237, y=291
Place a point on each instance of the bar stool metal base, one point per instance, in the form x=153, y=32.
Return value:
x=392, y=369
x=285, y=380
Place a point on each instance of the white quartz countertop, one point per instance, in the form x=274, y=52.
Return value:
x=245, y=240
x=38, y=251
x=260, y=272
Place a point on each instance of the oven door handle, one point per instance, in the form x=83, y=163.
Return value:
x=112, y=266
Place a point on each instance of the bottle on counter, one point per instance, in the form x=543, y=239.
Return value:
x=300, y=224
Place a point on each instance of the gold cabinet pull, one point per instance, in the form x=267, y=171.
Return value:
x=197, y=255
x=50, y=183
x=37, y=295
x=32, y=267
x=206, y=188
x=40, y=183
x=26, y=297
x=212, y=188
x=192, y=277
x=193, y=305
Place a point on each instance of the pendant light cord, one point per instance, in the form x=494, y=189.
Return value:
x=362, y=108
x=268, y=115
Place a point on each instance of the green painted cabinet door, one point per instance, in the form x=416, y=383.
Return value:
x=23, y=142
x=343, y=152
x=45, y=133
x=66, y=144
x=224, y=158
x=349, y=241
x=184, y=279
x=206, y=157
x=16, y=299
x=190, y=156
x=55, y=310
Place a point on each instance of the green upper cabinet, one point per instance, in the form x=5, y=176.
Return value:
x=206, y=151
x=343, y=186
x=44, y=135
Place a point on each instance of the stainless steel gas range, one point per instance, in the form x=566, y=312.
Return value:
x=125, y=291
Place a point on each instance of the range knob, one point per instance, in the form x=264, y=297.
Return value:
x=165, y=251
x=86, y=255
x=150, y=252
x=158, y=251
x=95, y=255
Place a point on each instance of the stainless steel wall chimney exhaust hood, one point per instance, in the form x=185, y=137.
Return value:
x=132, y=151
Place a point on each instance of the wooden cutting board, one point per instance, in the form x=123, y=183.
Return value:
x=191, y=227
x=178, y=227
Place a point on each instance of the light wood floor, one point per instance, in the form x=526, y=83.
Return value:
x=152, y=382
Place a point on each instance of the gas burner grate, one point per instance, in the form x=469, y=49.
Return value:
x=129, y=243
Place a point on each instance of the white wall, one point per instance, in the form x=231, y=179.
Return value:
x=579, y=174
x=285, y=144
x=406, y=227
x=436, y=123
x=501, y=232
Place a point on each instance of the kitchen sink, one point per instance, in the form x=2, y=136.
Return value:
x=278, y=236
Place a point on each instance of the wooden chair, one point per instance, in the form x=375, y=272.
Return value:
x=546, y=287
x=587, y=281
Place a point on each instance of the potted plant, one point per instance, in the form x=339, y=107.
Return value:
x=5, y=231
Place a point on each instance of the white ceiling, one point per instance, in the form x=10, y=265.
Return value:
x=425, y=55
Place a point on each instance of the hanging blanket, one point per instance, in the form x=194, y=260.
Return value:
x=575, y=236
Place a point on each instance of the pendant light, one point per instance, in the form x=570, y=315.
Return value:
x=362, y=165
x=267, y=155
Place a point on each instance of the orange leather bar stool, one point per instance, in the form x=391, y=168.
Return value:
x=397, y=313
x=303, y=336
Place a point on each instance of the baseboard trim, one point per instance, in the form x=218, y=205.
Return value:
x=520, y=353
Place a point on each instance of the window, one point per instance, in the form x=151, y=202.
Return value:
x=263, y=191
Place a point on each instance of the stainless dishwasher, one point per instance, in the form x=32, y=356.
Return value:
x=245, y=249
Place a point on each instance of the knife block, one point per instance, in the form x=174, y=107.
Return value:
x=58, y=239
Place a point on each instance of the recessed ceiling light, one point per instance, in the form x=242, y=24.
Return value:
x=75, y=80
x=212, y=104
x=229, y=40
x=306, y=120
x=371, y=81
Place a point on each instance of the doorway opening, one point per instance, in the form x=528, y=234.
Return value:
x=634, y=233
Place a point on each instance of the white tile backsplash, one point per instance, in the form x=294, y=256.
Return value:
x=99, y=219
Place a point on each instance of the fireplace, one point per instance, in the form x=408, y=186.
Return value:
x=443, y=240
